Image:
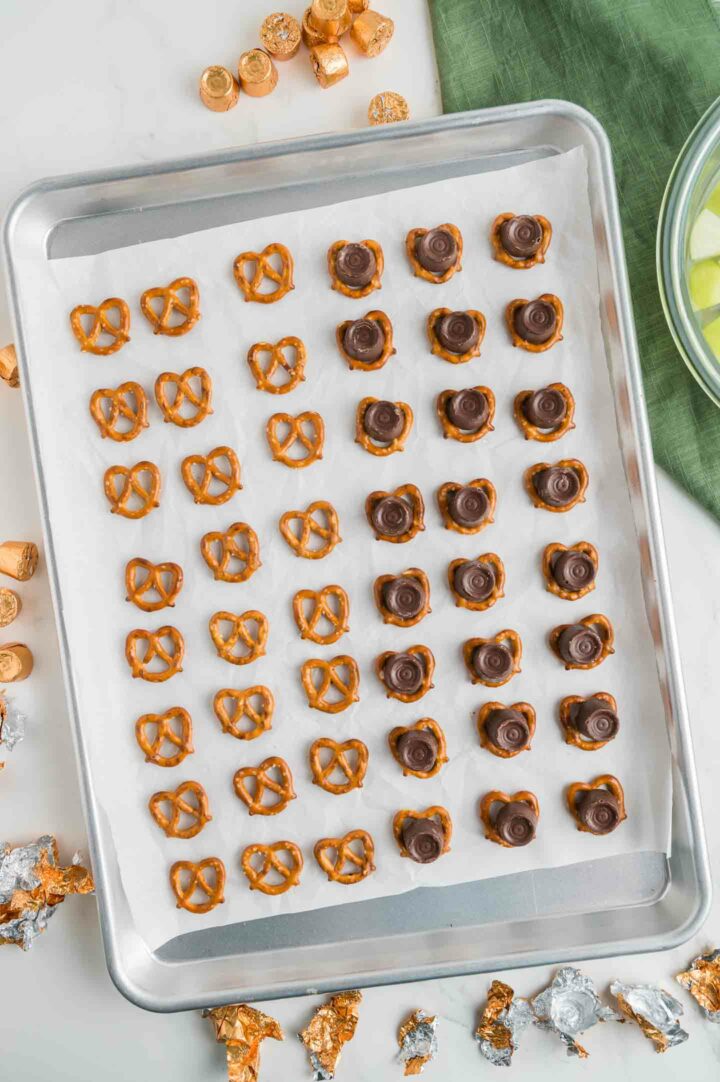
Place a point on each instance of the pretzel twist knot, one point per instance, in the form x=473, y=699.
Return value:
x=265, y=271
x=278, y=362
x=190, y=800
x=246, y=639
x=237, y=547
x=324, y=766
x=227, y=478
x=271, y=862
x=307, y=431
x=331, y=686
x=162, y=319
x=102, y=324
x=348, y=865
x=233, y=709
x=120, y=413
x=329, y=607
x=319, y=520
x=142, y=648
x=163, y=580
x=165, y=739
x=262, y=781
x=206, y=878
x=182, y=387
x=139, y=490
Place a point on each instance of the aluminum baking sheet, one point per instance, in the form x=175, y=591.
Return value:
x=143, y=982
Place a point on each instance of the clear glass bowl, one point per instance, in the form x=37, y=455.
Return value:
x=694, y=174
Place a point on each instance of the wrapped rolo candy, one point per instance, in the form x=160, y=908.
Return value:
x=257, y=74
x=372, y=32
x=417, y=1038
x=10, y=606
x=32, y=884
x=702, y=980
x=417, y=750
x=475, y=580
x=280, y=35
x=329, y=1030
x=355, y=265
x=242, y=1029
x=388, y=108
x=457, y=332
x=507, y=729
x=436, y=251
x=654, y=1010
x=468, y=410
x=219, y=90
x=405, y=597
x=573, y=570
x=364, y=340
x=19, y=559
x=403, y=674
x=329, y=63
x=9, y=366
x=569, y=1006
x=595, y=719
x=535, y=322
x=501, y=1024
x=16, y=662
x=424, y=840
x=545, y=408
x=330, y=18
x=521, y=236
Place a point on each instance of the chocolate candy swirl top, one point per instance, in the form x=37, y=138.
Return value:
x=573, y=570
x=404, y=597
x=468, y=410
x=468, y=506
x=516, y=823
x=598, y=810
x=580, y=645
x=557, y=485
x=364, y=340
x=403, y=674
x=474, y=580
x=546, y=408
x=383, y=421
x=417, y=749
x=492, y=661
x=595, y=720
x=521, y=236
x=424, y=840
x=436, y=251
x=355, y=265
x=457, y=332
x=535, y=321
x=507, y=729
x=392, y=516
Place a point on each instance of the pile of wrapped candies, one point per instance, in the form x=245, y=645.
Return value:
x=33, y=883
x=322, y=28
x=18, y=560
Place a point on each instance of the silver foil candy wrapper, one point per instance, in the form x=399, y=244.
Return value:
x=12, y=726
x=654, y=1010
x=503, y=1021
x=32, y=884
x=702, y=980
x=418, y=1041
x=569, y=1006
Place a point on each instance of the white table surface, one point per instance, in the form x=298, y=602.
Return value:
x=94, y=83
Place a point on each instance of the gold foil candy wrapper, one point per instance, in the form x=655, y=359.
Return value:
x=10, y=606
x=329, y=18
x=417, y=1038
x=219, y=89
x=16, y=662
x=702, y=980
x=257, y=74
x=329, y=64
x=358, y=6
x=388, y=108
x=654, y=1010
x=328, y=1031
x=12, y=724
x=280, y=35
x=9, y=366
x=243, y=1029
x=569, y=1006
x=502, y=1023
x=372, y=32
x=19, y=559
x=32, y=884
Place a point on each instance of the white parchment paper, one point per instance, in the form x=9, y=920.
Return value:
x=93, y=546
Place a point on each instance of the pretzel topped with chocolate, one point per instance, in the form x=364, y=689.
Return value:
x=435, y=254
x=213, y=478
x=467, y=415
x=423, y=836
x=535, y=325
x=585, y=644
x=179, y=308
x=420, y=749
x=293, y=366
x=557, y=487
x=322, y=615
x=328, y=757
x=194, y=387
x=493, y=661
x=589, y=722
x=312, y=533
x=570, y=570
x=273, y=874
x=545, y=415
x=246, y=714
x=506, y=730
x=469, y=508
x=520, y=240
x=121, y=412
x=406, y=675
x=477, y=584
x=265, y=271
x=150, y=586
x=515, y=822
x=456, y=336
x=94, y=329
x=396, y=516
x=367, y=343
x=382, y=427
x=356, y=268
x=348, y=859
x=597, y=807
x=403, y=600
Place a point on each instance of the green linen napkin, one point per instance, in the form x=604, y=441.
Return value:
x=647, y=69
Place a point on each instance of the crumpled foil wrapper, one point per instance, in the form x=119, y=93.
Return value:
x=12, y=724
x=702, y=981
x=32, y=884
x=417, y=1038
x=501, y=1024
x=569, y=1006
x=243, y=1029
x=330, y=1028
x=654, y=1010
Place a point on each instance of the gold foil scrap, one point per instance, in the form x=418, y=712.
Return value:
x=9, y=366
x=417, y=1038
x=280, y=35
x=501, y=1024
x=388, y=108
x=242, y=1029
x=32, y=884
x=330, y=1028
x=372, y=32
x=702, y=981
x=654, y=1010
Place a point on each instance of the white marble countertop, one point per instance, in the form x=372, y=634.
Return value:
x=94, y=84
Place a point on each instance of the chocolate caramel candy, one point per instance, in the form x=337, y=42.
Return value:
x=392, y=516
x=595, y=720
x=403, y=674
x=507, y=729
x=516, y=823
x=598, y=810
x=404, y=597
x=468, y=410
x=355, y=265
x=579, y=645
x=383, y=421
x=474, y=580
x=457, y=332
x=436, y=251
x=521, y=236
x=417, y=749
x=546, y=408
x=493, y=661
x=573, y=570
x=424, y=840
x=468, y=506
x=557, y=486
x=535, y=322
x=364, y=340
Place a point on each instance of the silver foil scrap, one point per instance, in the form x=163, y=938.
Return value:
x=12, y=724
x=417, y=1038
x=569, y=1006
x=502, y=1023
x=32, y=884
x=654, y=1010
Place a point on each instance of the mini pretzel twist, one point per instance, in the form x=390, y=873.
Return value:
x=489, y=708
x=572, y=736
x=223, y=550
x=101, y=324
x=182, y=387
x=376, y=316
x=330, y=605
x=508, y=638
x=570, y=463
x=445, y=493
x=367, y=442
x=418, y=269
x=451, y=431
x=264, y=376
x=307, y=430
x=172, y=305
x=206, y=877
x=140, y=482
x=503, y=256
x=265, y=271
x=346, y=866
x=523, y=343
x=544, y=435
x=423, y=725
x=437, y=812
x=125, y=403
x=331, y=681
x=338, y=759
x=603, y=781
x=263, y=782
x=439, y=350
x=497, y=796
x=604, y=629
x=311, y=528
x=271, y=861
x=428, y=661
x=173, y=729
x=240, y=633
x=389, y=617
x=234, y=708
x=498, y=591
x=143, y=647
x=362, y=291
x=412, y=495
x=212, y=471
x=164, y=580
x=189, y=799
